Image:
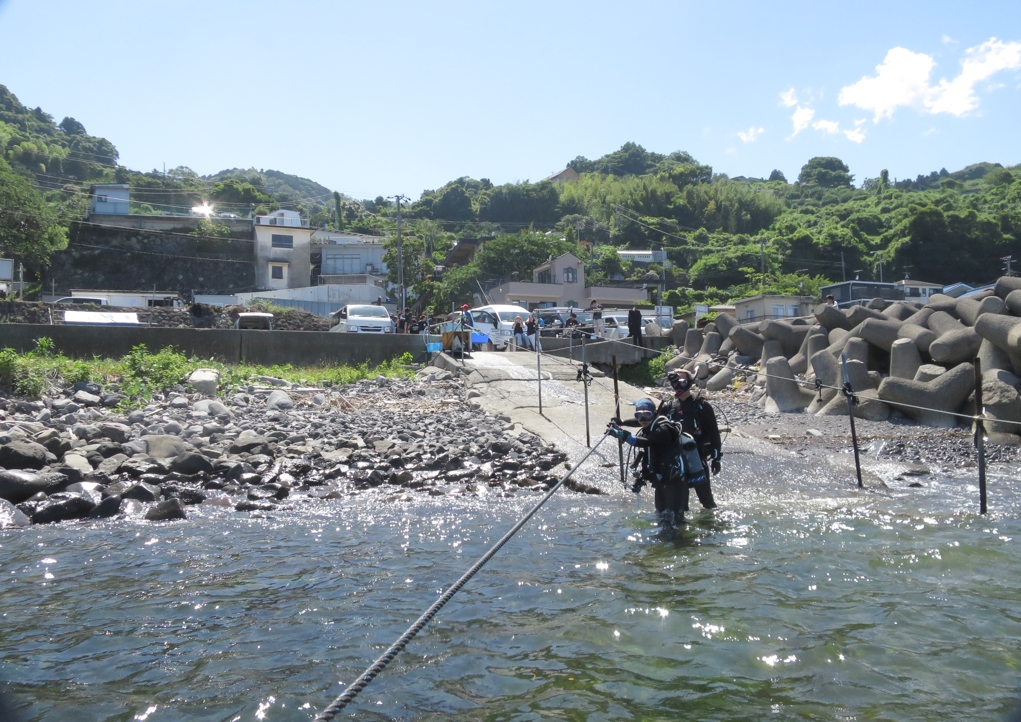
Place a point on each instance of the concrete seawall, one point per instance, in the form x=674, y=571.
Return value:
x=299, y=348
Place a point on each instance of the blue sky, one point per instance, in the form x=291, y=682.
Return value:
x=378, y=99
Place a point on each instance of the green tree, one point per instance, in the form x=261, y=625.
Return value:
x=453, y=205
x=826, y=172
x=29, y=230
x=235, y=191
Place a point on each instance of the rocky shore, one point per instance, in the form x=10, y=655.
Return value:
x=272, y=445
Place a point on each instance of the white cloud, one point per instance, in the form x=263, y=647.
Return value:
x=958, y=95
x=857, y=135
x=947, y=40
x=751, y=134
x=788, y=98
x=902, y=79
x=802, y=117
x=827, y=126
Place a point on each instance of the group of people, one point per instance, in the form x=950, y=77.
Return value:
x=663, y=432
x=407, y=322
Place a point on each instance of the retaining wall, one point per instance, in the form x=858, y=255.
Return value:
x=299, y=348
x=602, y=352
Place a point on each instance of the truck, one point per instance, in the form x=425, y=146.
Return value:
x=127, y=299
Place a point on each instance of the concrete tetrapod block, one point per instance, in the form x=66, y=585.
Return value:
x=725, y=322
x=940, y=302
x=1006, y=284
x=928, y=372
x=996, y=374
x=969, y=309
x=692, y=342
x=904, y=359
x=857, y=349
x=942, y=323
x=710, y=344
x=832, y=317
x=880, y=334
x=877, y=304
x=860, y=314
x=920, y=317
x=922, y=337
x=1002, y=403
x=945, y=393
x=997, y=329
x=747, y=341
x=837, y=347
x=783, y=394
x=721, y=379
x=678, y=332
x=826, y=369
x=789, y=335
x=898, y=311
x=771, y=349
x=1013, y=302
x=726, y=348
x=817, y=341
x=869, y=407
x=955, y=347
x=799, y=361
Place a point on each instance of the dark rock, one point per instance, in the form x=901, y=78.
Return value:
x=163, y=446
x=12, y=516
x=89, y=387
x=62, y=506
x=251, y=445
x=186, y=494
x=137, y=466
x=191, y=462
x=254, y=506
x=58, y=446
x=112, y=400
x=118, y=433
x=73, y=475
x=18, y=485
x=257, y=493
x=167, y=511
x=141, y=491
x=110, y=506
x=108, y=449
x=23, y=455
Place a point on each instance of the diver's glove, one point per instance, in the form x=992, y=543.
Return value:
x=714, y=465
x=616, y=432
x=637, y=486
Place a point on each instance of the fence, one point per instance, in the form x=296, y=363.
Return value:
x=317, y=308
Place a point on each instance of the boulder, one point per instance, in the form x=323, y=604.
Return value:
x=216, y=408
x=783, y=394
x=191, y=462
x=62, y=506
x=18, y=485
x=163, y=446
x=205, y=381
x=110, y=506
x=251, y=445
x=904, y=359
x=142, y=491
x=955, y=347
x=167, y=510
x=84, y=398
x=943, y=394
x=11, y=516
x=279, y=401
x=24, y=454
x=118, y=433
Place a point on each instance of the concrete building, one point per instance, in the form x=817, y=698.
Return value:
x=768, y=306
x=110, y=199
x=918, y=290
x=561, y=282
x=849, y=293
x=345, y=254
x=283, y=251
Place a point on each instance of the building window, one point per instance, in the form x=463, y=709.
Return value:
x=276, y=273
x=777, y=310
x=749, y=314
x=280, y=241
x=544, y=277
x=100, y=199
x=570, y=275
x=794, y=310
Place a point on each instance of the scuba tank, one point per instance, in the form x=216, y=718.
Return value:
x=689, y=462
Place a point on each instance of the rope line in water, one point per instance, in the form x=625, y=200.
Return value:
x=352, y=691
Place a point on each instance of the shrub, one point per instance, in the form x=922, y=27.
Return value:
x=75, y=371
x=150, y=372
x=45, y=348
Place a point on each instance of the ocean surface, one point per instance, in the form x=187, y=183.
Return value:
x=801, y=598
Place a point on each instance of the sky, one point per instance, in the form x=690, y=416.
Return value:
x=382, y=99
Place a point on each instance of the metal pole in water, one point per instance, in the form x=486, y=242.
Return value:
x=980, y=440
x=584, y=385
x=851, y=400
x=616, y=403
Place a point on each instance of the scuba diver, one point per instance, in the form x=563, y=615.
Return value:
x=697, y=419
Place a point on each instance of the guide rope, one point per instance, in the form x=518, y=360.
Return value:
x=352, y=691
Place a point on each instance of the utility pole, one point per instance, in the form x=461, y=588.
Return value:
x=400, y=255
x=1007, y=260
x=762, y=246
x=843, y=270
x=21, y=281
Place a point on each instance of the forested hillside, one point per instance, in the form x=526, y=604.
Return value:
x=724, y=237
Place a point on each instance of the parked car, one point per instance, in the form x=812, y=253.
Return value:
x=83, y=300
x=497, y=321
x=362, y=319
x=253, y=320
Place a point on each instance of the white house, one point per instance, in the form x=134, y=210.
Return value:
x=345, y=254
x=283, y=251
x=561, y=282
x=767, y=306
x=918, y=290
x=110, y=198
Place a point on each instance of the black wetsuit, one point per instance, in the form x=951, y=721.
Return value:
x=656, y=458
x=698, y=420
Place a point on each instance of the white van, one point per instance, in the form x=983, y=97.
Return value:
x=363, y=318
x=497, y=321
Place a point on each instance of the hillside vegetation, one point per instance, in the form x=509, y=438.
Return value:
x=724, y=237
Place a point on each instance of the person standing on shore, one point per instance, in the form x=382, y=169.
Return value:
x=656, y=461
x=597, y=318
x=634, y=325
x=697, y=419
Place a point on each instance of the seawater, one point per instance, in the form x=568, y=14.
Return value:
x=800, y=599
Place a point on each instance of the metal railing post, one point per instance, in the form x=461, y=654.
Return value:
x=980, y=441
x=851, y=401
